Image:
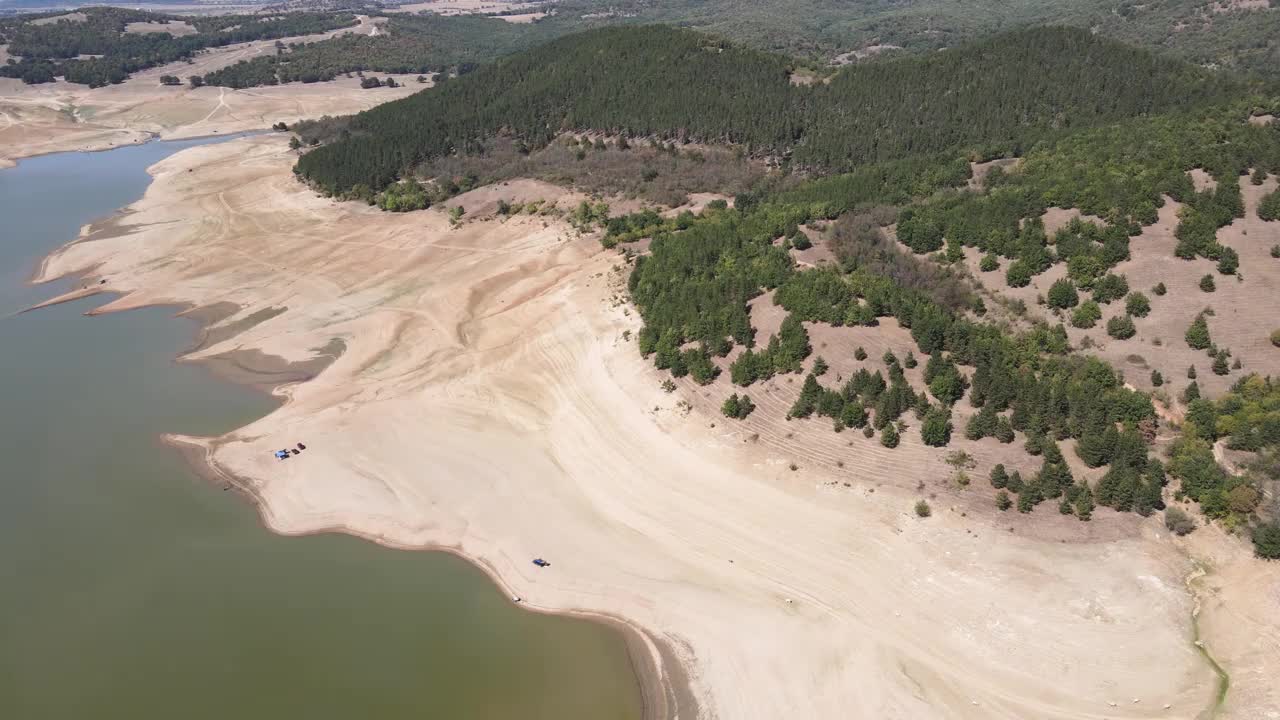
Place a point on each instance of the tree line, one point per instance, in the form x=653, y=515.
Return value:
x=57, y=49
x=680, y=85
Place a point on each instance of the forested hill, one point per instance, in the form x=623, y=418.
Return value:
x=989, y=98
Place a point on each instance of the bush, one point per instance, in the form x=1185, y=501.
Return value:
x=1266, y=540
x=800, y=241
x=1207, y=284
x=1063, y=295
x=1159, y=289
x=1269, y=208
x=1110, y=287
x=922, y=509
x=1178, y=522
x=1002, y=500
x=737, y=407
x=1087, y=315
x=1018, y=275
x=1156, y=378
x=1275, y=337
x=989, y=263
x=1137, y=305
x=889, y=436
x=1229, y=262
x=1275, y=251
x=1197, y=335
x=1121, y=327
x=910, y=361
x=1191, y=372
x=859, y=354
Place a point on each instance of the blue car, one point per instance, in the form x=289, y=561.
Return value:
x=541, y=563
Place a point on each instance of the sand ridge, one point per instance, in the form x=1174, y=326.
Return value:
x=490, y=400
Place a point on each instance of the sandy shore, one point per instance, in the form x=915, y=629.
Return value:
x=489, y=400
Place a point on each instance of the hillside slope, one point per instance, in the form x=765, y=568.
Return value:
x=993, y=97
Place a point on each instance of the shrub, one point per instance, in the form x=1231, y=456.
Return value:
x=1087, y=315
x=999, y=478
x=1178, y=522
x=1063, y=295
x=1275, y=251
x=1110, y=287
x=1197, y=335
x=1191, y=372
x=1018, y=275
x=910, y=361
x=1266, y=540
x=1229, y=262
x=859, y=354
x=1159, y=289
x=1137, y=305
x=1121, y=327
x=922, y=509
x=1207, y=284
x=1275, y=337
x=1156, y=378
x=1269, y=208
x=800, y=241
x=1002, y=500
x=737, y=407
x=1259, y=176
x=889, y=436
x=989, y=263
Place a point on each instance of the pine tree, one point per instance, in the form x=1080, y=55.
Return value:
x=889, y=436
x=807, y=402
x=1220, y=366
x=936, y=429
x=999, y=478
x=1197, y=335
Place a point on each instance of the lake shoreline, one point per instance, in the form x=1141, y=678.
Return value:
x=660, y=676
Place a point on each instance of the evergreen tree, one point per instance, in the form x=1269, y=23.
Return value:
x=889, y=436
x=807, y=402
x=1197, y=335
x=936, y=429
x=999, y=478
x=1220, y=366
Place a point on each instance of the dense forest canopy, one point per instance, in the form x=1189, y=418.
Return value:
x=1205, y=32
x=407, y=44
x=58, y=48
x=995, y=97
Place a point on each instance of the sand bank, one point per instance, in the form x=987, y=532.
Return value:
x=489, y=400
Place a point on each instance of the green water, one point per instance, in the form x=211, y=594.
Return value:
x=132, y=589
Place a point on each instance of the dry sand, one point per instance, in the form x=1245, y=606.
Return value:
x=56, y=117
x=488, y=401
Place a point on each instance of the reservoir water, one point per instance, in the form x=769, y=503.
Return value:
x=132, y=589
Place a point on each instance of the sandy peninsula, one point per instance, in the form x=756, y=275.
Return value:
x=488, y=399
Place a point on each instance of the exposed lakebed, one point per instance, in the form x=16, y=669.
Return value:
x=132, y=588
